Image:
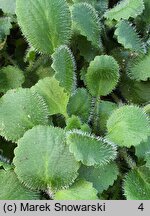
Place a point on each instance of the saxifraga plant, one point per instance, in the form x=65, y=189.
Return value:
x=77, y=112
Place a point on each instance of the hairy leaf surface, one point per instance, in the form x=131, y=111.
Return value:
x=54, y=95
x=125, y=9
x=86, y=21
x=128, y=37
x=102, y=75
x=42, y=159
x=128, y=126
x=10, y=78
x=12, y=189
x=21, y=110
x=138, y=69
x=79, y=104
x=45, y=23
x=137, y=184
x=102, y=177
x=90, y=150
x=81, y=190
x=64, y=66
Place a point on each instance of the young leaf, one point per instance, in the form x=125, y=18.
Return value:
x=86, y=21
x=138, y=69
x=137, y=184
x=125, y=9
x=128, y=126
x=11, y=77
x=79, y=104
x=81, y=190
x=45, y=23
x=53, y=94
x=42, y=159
x=73, y=123
x=128, y=37
x=8, y=6
x=90, y=150
x=12, y=189
x=21, y=110
x=64, y=66
x=102, y=75
x=102, y=177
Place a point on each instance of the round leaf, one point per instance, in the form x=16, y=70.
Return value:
x=42, y=159
x=128, y=126
x=102, y=75
x=21, y=110
x=12, y=189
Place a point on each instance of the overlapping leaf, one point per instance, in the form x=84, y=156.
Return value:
x=45, y=23
x=79, y=104
x=53, y=94
x=138, y=69
x=42, y=159
x=128, y=126
x=86, y=21
x=21, y=110
x=90, y=150
x=128, y=37
x=10, y=78
x=12, y=189
x=102, y=177
x=125, y=9
x=81, y=190
x=64, y=66
x=137, y=184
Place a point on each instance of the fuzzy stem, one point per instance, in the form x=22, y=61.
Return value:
x=129, y=160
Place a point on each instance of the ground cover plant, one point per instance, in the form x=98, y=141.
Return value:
x=74, y=99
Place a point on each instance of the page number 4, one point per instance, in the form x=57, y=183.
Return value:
x=141, y=207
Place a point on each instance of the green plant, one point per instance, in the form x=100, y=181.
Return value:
x=74, y=99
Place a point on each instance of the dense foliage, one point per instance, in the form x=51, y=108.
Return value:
x=74, y=99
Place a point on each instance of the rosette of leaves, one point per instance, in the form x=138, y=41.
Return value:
x=102, y=75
